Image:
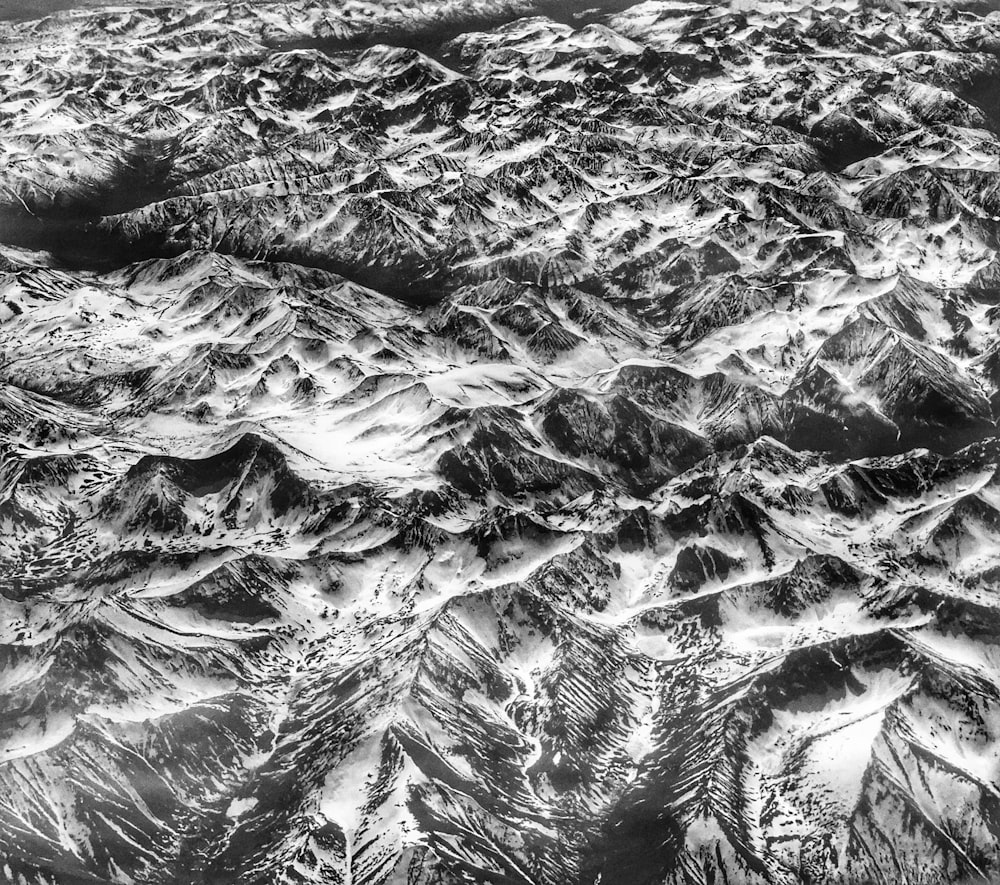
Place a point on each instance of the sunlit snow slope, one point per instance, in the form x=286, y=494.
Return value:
x=500, y=442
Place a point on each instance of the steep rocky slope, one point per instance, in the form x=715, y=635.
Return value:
x=500, y=443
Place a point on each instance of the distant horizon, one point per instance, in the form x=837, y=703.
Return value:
x=28, y=10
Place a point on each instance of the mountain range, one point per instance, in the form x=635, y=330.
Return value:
x=495, y=441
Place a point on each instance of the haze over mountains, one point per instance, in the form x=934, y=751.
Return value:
x=505, y=443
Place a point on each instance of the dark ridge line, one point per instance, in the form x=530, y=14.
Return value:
x=82, y=242
x=430, y=38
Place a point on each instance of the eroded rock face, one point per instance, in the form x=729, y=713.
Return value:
x=506, y=443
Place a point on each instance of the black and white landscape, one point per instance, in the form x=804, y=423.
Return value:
x=503, y=442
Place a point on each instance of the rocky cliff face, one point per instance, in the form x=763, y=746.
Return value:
x=500, y=443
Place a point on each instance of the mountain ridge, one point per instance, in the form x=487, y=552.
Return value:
x=487, y=442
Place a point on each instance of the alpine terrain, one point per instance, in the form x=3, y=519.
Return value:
x=500, y=442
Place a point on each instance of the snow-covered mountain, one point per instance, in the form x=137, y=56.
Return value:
x=500, y=441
